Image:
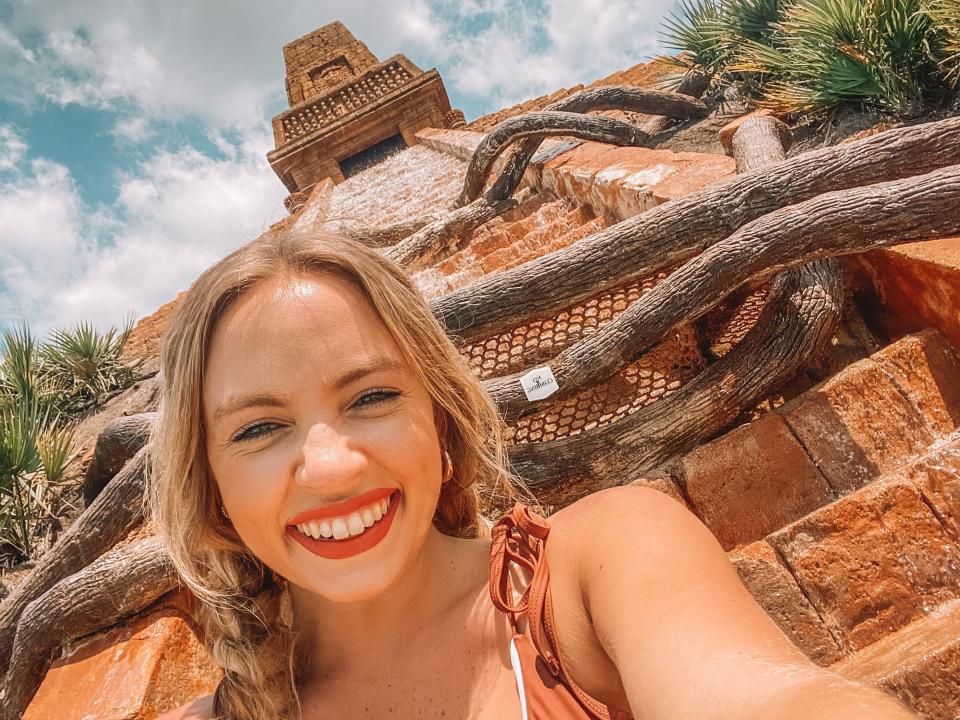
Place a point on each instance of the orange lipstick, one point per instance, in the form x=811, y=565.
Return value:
x=347, y=547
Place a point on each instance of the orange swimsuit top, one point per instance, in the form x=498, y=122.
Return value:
x=547, y=692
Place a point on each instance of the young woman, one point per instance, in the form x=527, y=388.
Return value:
x=316, y=469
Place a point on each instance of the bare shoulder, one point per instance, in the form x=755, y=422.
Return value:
x=199, y=709
x=620, y=515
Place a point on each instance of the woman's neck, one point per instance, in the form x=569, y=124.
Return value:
x=341, y=639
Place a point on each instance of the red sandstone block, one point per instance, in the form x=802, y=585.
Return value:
x=937, y=476
x=857, y=425
x=774, y=588
x=752, y=481
x=927, y=370
x=920, y=664
x=918, y=286
x=134, y=673
x=872, y=562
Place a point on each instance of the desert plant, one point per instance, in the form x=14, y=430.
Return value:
x=696, y=32
x=946, y=14
x=809, y=55
x=84, y=364
x=36, y=447
x=874, y=53
x=20, y=375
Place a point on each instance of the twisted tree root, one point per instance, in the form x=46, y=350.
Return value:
x=610, y=97
x=693, y=85
x=539, y=125
x=114, y=587
x=389, y=235
x=115, y=512
x=832, y=224
x=117, y=442
x=432, y=243
x=800, y=315
x=675, y=231
x=798, y=318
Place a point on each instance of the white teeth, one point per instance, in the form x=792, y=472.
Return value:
x=349, y=526
x=354, y=524
x=340, y=530
x=368, y=518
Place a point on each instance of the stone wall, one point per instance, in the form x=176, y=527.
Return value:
x=321, y=60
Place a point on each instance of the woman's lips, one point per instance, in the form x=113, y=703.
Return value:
x=344, y=507
x=339, y=549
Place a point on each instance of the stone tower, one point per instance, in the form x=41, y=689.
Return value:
x=348, y=109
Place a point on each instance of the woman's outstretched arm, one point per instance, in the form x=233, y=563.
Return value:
x=685, y=636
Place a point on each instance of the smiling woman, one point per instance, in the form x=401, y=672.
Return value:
x=317, y=467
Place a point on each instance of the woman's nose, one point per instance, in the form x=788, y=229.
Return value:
x=328, y=463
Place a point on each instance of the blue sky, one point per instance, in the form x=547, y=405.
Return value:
x=133, y=134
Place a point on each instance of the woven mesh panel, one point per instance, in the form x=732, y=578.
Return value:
x=659, y=372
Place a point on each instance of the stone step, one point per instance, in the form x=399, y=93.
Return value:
x=920, y=663
x=870, y=419
x=863, y=583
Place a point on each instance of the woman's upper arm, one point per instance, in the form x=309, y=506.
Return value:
x=669, y=610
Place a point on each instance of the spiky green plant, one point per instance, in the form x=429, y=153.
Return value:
x=20, y=425
x=19, y=363
x=85, y=364
x=695, y=31
x=946, y=15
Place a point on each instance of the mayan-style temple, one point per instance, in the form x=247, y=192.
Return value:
x=348, y=109
x=805, y=406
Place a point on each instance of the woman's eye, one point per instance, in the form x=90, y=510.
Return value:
x=375, y=397
x=252, y=432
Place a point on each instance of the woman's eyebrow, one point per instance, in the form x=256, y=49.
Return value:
x=267, y=400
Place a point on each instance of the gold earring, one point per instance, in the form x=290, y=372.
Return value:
x=447, y=466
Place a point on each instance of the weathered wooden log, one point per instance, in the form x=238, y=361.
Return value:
x=541, y=125
x=610, y=97
x=433, y=242
x=115, y=512
x=433, y=234
x=829, y=225
x=389, y=234
x=798, y=318
x=800, y=315
x=693, y=85
x=114, y=587
x=673, y=232
x=119, y=441
x=760, y=141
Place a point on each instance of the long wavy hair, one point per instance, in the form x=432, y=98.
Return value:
x=243, y=606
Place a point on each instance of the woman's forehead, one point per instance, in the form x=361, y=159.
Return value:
x=283, y=324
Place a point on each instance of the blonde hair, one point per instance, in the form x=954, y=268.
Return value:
x=240, y=600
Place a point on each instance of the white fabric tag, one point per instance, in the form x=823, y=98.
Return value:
x=539, y=383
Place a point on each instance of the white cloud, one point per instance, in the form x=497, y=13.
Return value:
x=531, y=49
x=132, y=130
x=177, y=213
x=12, y=148
x=217, y=61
